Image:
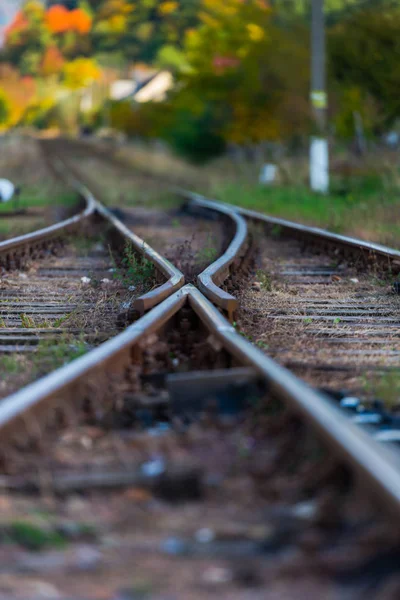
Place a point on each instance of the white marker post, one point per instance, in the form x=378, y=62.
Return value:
x=319, y=152
x=9, y=191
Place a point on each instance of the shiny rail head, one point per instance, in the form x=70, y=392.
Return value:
x=216, y=273
x=376, y=467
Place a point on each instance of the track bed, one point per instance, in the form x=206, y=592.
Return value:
x=190, y=243
x=58, y=308
x=329, y=322
x=141, y=493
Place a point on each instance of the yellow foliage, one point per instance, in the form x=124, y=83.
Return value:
x=80, y=72
x=226, y=8
x=117, y=23
x=256, y=33
x=166, y=8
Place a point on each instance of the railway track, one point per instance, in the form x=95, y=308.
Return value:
x=180, y=406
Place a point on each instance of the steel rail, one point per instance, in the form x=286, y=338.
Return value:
x=217, y=272
x=175, y=279
x=376, y=467
x=320, y=235
x=14, y=251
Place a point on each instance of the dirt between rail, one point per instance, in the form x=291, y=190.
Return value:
x=241, y=506
x=190, y=243
x=59, y=307
x=332, y=324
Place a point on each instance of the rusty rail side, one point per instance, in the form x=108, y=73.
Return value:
x=215, y=274
x=175, y=279
x=376, y=467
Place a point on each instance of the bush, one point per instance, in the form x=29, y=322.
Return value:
x=196, y=136
x=4, y=108
x=38, y=114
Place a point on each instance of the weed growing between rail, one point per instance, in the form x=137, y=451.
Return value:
x=208, y=253
x=133, y=270
x=51, y=354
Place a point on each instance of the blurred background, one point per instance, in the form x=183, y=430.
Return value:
x=217, y=90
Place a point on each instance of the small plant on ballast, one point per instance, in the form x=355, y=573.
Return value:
x=208, y=253
x=265, y=280
x=133, y=269
x=27, y=321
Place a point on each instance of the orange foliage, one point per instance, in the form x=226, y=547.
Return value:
x=19, y=90
x=52, y=62
x=18, y=24
x=80, y=21
x=59, y=20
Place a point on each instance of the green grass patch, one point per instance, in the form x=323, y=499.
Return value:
x=134, y=269
x=50, y=355
x=385, y=387
x=9, y=365
x=33, y=537
x=32, y=197
x=353, y=206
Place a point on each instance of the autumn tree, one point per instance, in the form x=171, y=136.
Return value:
x=27, y=38
x=248, y=77
x=80, y=73
x=52, y=62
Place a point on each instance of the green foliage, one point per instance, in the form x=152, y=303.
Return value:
x=27, y=321
x=363, y=51
x=385, y=386
x=265, y=279
x=196, y=136
x=133, y=269
x=208, y=253
x=51, y=354
x=9, y=365
x=171, y=57
x=4, y=107
x=38, y=114
x=33, y=537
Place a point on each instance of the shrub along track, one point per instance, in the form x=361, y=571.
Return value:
x=279, y=494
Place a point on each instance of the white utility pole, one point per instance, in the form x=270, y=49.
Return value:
x=319, y=153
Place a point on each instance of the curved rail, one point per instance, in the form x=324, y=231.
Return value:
x=321, y=235
x=175, y=279
x=377, y=467
x=385, y=253
x=216, y=273
x=15, y=251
